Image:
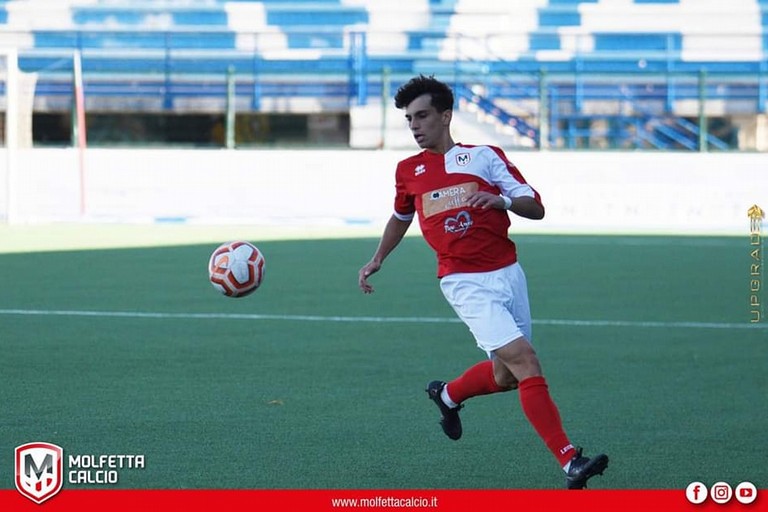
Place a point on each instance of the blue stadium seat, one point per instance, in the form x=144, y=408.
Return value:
x=321, y=25
x=284, y=40
x=542, y=40
x=129, y=39
x=286, y=15
x=550, y=17
x=141, y=26
x=632, y=42
x=764, y=22
x=283, y=2
x=147, y=15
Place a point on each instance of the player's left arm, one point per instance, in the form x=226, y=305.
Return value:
x=528, y=207
x=524, y=206
x=516, y=194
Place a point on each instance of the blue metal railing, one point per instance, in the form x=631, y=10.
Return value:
x=179, y=64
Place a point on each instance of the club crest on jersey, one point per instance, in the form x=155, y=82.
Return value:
x=463, y=159
x=419, y=170
x=458, y=224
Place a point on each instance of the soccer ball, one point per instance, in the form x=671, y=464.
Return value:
x=236, y=269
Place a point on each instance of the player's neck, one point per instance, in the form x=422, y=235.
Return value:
x=444, y=146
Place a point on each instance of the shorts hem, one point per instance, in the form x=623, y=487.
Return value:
x=490, y=347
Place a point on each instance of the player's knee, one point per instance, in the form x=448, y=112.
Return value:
x=503, y=377
x=506, y=382
x=518, y=352
x=520, y=359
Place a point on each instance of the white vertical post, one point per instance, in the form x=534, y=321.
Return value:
x=79, y=122
x=11, y=131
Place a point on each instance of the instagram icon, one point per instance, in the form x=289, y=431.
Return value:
x=721, y=492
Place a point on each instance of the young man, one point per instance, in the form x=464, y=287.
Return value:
x=461, y=194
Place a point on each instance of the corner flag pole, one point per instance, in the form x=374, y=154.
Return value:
x=11, y=132
x=78, y=122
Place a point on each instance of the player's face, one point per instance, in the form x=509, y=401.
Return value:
x=427, y=125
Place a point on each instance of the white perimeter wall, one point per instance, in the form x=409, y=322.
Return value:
x=684, y=193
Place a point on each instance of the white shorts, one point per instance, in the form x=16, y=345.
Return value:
x=494, y=305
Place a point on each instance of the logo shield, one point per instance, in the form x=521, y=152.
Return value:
x=39, y=470
x=463, y=158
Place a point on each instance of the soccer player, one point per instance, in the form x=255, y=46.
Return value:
x=462, y=194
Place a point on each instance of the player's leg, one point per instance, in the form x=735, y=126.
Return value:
x=482, y=378
x=521, y=360
x=519, y=357
x=542, y=413
x=537, y=404
x=503, y=376
x=471, y=296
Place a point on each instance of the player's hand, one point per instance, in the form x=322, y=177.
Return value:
x=362, y=279
x=484, y=200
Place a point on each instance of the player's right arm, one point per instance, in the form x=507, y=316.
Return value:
x=393, y=232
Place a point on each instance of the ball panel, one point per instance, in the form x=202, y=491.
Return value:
x=221, y=286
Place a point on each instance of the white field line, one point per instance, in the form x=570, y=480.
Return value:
x=371, y=319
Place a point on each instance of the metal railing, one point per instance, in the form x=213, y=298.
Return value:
x=546, y=97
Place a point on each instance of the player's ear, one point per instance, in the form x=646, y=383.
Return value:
x=447, y=116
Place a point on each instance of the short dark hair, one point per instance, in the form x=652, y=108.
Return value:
x=442, y=96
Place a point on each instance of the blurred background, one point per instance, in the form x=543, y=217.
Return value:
x=656, y=74
x=683, y=76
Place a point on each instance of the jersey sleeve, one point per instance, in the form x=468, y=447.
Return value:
x=405, y=206
x=509, y=179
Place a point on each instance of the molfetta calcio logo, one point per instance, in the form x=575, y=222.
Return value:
x=41, y=469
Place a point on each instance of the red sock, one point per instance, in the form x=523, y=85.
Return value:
x=542, y=413
x=477, y=380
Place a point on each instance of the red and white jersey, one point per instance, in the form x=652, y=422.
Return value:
x=465, y=239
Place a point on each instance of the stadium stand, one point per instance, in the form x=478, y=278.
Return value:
x=558, y=73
